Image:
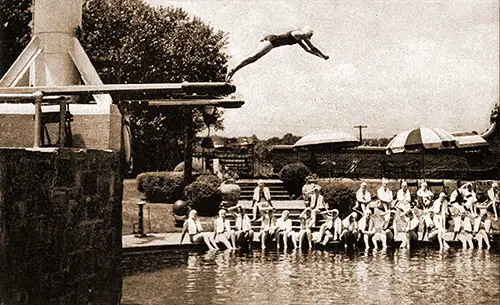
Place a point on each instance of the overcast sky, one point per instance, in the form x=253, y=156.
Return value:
x=393, y=65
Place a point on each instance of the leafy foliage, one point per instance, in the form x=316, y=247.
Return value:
x=161, y=186
x=15, y=17
x=338, y=197
x=293, y=176
x=263, y=147
x=130, y=41
x=494, y=113
x=204, y=195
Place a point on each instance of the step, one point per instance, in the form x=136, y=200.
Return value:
x=273, y=197
x=296, y=229
x=280, y=191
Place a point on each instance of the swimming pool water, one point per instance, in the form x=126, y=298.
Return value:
x=420, y=276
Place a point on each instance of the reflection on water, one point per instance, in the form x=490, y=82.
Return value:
x=422, y=276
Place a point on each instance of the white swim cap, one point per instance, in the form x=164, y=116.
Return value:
x=192, y=213
x=307, y=30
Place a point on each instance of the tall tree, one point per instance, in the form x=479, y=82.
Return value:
x=132, y=42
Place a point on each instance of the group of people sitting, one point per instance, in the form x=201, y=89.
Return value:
x=375, y=221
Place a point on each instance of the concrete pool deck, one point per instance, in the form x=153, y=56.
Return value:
x=170, y=241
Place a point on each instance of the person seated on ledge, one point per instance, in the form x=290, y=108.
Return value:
x=331, y=229
x=306, y=223
x=284, y=231
x=378, y=223
x=427, y=220
x=350, y=230
x=308, y=190
x=494, y=197
x=222, y=231
x=436, y=232
x=261, y=199
x=268, y=226
x=244, y=233
x=482, y=227
x=424, y=196
x=385, y=196
x=366, y=228
x=192, y=227
x=318, y=204
x=363, y=199
x=388, y=231
x=411, y=230
x=493, y=200
x=463, y=229
x=301, y=37
x=464, y=198
x=403, y=198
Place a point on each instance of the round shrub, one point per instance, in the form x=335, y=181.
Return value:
x=338, y=197
x=204, y=195
x=293, y=176
x=161, y=186
x=230, y=193
x=209, y=179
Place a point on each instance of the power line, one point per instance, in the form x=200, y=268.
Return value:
x=360, y=132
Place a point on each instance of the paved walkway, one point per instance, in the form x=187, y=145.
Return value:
x=166, y=241
x=153, y=239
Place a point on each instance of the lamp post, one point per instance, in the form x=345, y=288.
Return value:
x=140, y=229
x=208, y=118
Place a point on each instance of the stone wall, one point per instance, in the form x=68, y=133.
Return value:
x=60, y=226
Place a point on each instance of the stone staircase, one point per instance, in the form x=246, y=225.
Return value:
x=277, y=188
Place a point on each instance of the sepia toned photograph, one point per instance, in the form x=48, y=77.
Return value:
x=157, y=152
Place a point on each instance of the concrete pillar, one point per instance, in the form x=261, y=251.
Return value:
x=55, y=23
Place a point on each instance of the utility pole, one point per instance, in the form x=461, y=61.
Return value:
x=360, y=127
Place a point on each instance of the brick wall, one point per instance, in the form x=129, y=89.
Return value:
x=60, y=227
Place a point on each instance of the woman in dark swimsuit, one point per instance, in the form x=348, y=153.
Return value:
x=300, y=37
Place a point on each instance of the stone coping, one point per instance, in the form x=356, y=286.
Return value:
x=170, y=241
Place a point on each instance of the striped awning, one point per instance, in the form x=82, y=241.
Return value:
x=421, y=138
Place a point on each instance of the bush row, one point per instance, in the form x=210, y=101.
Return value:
x=203, y=194
x=341, y=198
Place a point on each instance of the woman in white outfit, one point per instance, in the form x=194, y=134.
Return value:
x=192, y=227
x=223, y=232
x=284, y=231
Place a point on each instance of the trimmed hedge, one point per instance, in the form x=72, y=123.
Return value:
x=209, y=179
x=204, y=195
x=338, y=197
x=161, y=186
x=293, y=176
